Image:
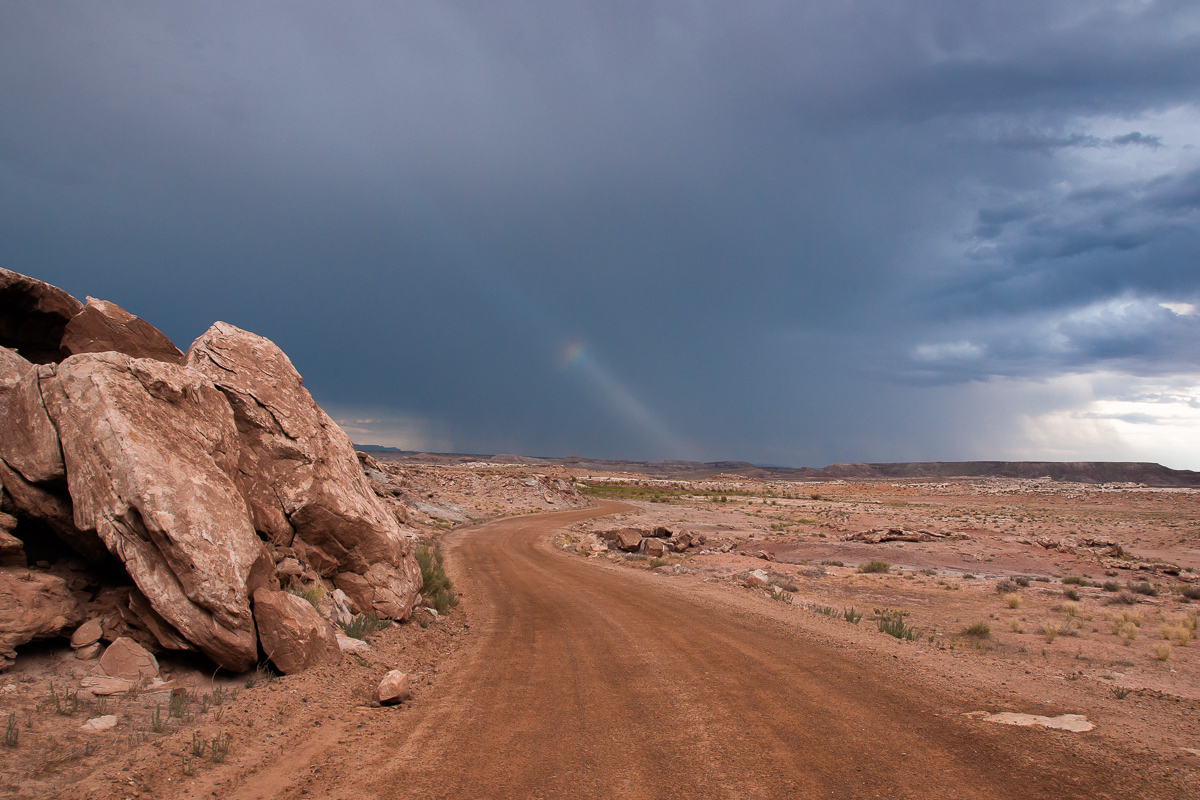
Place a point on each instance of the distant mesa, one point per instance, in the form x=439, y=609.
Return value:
x=153, y=494
x=1146, y=473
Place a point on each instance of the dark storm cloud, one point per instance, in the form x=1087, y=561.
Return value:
x=743, y=214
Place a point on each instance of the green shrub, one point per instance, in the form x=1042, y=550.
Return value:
x=1144, y=588
x=1071, y=594
x=433, y=576
x=1111, y=586
x=875, y=567
x=444, y=600
x=363, y=625
x=1076, y=580
x=850, y=615
x=895, y=626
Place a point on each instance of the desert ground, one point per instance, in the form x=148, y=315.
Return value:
x=761, y=661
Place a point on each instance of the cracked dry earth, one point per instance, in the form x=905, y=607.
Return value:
x=566, y=676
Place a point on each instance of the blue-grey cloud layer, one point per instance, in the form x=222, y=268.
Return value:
x=784, y=232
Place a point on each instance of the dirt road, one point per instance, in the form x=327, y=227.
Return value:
x=595, y=682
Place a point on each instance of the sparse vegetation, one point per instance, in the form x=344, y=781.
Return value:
x=219, y=747
x=12, y=734
x=435, y=586
x=1162, y=651
x=1143, y=588
x=891, y=622
x=875, y=567
x=1006, y=587
x=1111, y=586
x=1016, y=626
x=1070, y=608
x=850, y=615
x=979, y=630
x=780, y=595
x=1013, y=600
x=1075, y=580
x=363, y=625
x=1050, y=631
x=1071, y=594
x=314, y=593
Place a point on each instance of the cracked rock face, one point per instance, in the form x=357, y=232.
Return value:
x=299, y=472
x=149, y=449
x=187, y=476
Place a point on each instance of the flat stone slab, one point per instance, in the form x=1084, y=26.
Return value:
x=1076, y=723
x=99, y=685
x=99, y=724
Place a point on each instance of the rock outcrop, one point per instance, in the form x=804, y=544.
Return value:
x=102, y=327
x=299, y=472
x=150, y=448
x=33, y=316
x=33, y=605
x=294, y=636
x=196, y=483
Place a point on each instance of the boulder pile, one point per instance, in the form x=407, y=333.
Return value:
x=162, y=497
x=651, y=541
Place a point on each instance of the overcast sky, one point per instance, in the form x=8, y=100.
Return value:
x=788, y=233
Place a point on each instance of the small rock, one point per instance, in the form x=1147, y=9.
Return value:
x=88, y=651
x=348, y=644
x=393, y=688
x=86, y=634
x=757, y=579
x=765, y=556
x=99, y=724
x=127, y=659
x=100, y=685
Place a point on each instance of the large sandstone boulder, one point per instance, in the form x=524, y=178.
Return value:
x=299, y=473
x=102, y=327
x=33, y=316
x=294, y=636
x=33, y=605
x=28, y=442
x=149, y=448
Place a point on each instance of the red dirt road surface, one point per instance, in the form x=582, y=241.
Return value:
x=591, y=682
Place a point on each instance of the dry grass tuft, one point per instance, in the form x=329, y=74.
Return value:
x=1013, y=599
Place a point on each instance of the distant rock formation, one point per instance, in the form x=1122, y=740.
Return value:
x=183, y=479
x=1073, y=471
